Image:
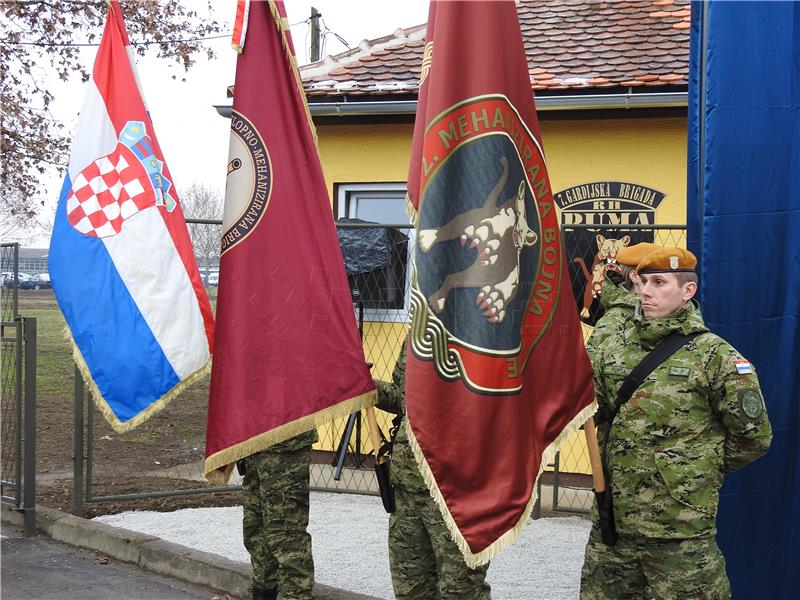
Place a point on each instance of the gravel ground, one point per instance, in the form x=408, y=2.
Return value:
x=349, y=538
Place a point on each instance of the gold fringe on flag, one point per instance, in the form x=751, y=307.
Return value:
x=509, y=537
x=103, y=406
x=219, y=465
x=283, y=27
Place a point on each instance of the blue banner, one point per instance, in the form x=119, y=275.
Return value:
x=743, y=217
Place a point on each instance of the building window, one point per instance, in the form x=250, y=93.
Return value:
x=382, y=291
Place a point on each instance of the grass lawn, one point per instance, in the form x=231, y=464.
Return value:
x=55, y=369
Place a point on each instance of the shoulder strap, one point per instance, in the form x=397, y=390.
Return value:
x=665, y=348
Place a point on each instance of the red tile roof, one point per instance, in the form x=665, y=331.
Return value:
x=571, y=45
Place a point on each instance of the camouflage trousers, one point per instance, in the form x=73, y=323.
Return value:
x=639, y=568
x=425, y=562
x=275, y=502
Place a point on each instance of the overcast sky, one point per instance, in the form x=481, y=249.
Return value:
x=192, y=135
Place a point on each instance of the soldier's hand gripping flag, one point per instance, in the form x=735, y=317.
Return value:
x=287, y=354
x=121, y=261
x=497, y=374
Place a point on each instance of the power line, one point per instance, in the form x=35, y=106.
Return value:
x=148, y=43
x=177, y=40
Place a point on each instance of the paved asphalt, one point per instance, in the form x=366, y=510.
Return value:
x=41, y=569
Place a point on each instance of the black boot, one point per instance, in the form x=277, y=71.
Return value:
x=265, y=594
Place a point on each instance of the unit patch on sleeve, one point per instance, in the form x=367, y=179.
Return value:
x=751, y=402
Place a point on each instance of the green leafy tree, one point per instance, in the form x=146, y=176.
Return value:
x=39, y=41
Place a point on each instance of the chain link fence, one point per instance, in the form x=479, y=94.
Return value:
x=173, y=442
x=10, y=378
x=17, y=395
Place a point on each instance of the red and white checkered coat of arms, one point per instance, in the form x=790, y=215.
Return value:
x=119, y=185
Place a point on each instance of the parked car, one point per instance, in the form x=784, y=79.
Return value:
x=41, y=281
x=24, y=281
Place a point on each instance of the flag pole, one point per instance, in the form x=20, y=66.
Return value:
x=594, y=455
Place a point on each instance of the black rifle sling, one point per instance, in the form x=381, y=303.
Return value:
x=665, y=348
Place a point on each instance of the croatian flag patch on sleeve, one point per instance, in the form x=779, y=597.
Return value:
x=743, y=367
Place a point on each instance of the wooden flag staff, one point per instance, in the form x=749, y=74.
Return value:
x=602, y=492
x=598, y=479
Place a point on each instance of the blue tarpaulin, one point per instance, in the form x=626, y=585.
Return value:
x=743, y=217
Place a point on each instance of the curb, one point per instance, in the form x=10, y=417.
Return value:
x=154, y=554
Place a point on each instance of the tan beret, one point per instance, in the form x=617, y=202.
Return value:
x=667, y=260
x=631, y=256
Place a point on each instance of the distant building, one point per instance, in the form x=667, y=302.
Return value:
x=31, y=260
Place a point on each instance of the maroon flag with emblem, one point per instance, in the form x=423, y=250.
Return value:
x=497, y=375
x=287, y=354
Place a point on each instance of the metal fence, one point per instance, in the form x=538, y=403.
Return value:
x=104, y=471
x=17, y=396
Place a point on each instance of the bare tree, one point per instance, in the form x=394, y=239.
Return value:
x=17, y=226
x=202, y=202
x=39, y=38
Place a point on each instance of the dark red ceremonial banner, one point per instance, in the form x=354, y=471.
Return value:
x=497, y=374
x=287, y=354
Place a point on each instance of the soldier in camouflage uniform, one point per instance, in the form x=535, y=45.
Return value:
x=619, y=295
x=425, y=562
x=275, y=503
x=696, y=417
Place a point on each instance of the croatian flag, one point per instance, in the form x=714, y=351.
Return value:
x=121, y=261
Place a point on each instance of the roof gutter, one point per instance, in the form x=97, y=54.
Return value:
x=544, y=103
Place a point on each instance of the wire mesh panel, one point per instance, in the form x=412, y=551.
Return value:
x=378, y=262
x=10, y=380
x=590, y=248
x=165, y=455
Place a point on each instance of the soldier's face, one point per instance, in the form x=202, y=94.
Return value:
x=662, y=294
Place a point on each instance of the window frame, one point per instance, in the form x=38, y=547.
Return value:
x=344, y=207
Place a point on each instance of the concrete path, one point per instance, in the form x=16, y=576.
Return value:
x=147, y=555
x=38, y=568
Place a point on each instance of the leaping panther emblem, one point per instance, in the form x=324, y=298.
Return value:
x=490, y=229
x=488, y=265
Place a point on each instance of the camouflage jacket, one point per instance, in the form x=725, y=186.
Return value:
x=404, y=471
x=298, y=442
x=619, y=306
x=697, y=416
x=391, y=394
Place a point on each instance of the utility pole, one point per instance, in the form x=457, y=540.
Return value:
x=315, y=36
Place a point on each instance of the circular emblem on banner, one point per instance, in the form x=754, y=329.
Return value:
x=752, y=404
x=488, y=260
x=249, y=184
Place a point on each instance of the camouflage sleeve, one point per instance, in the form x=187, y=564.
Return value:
x=390, y=393
x=617, y=303
x=737, y=400
x=605, y=326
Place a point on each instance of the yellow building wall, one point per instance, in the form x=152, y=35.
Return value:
x=364, y=153
x=649, y=152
